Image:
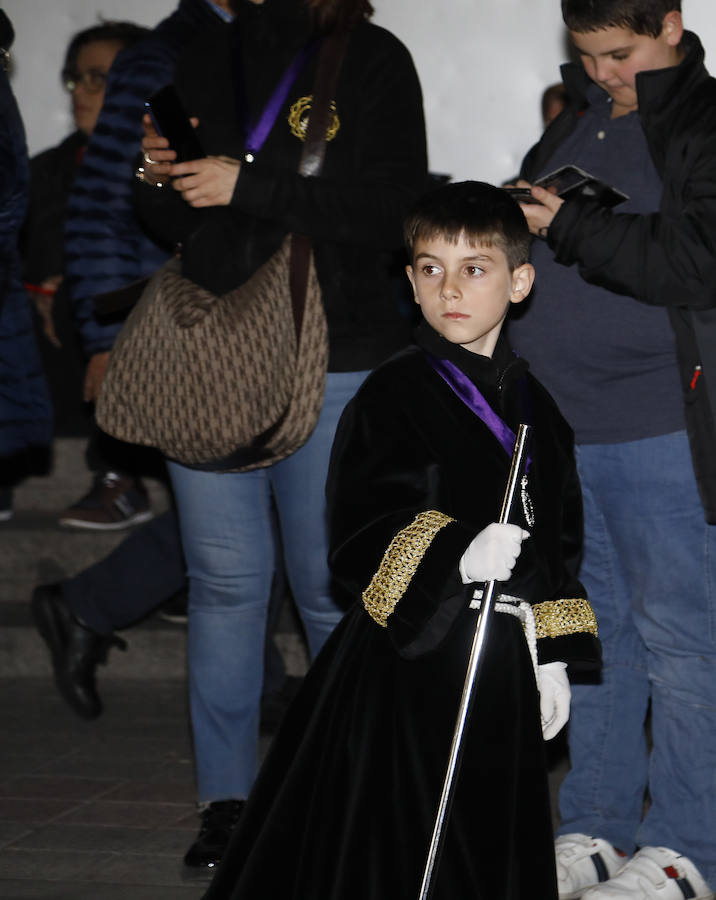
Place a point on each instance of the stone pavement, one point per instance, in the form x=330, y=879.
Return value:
x=99, y=810
x=95, y=810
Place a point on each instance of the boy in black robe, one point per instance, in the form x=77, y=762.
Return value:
x=346, y=801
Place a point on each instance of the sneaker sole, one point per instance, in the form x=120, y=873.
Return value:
x=84, y=524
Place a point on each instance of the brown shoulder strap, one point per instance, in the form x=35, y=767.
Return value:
x=314, y=149
x=329, y=64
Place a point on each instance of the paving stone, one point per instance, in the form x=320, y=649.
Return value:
x=132, y=815
x=57, y=787
x=23, y=890
x=89, y=838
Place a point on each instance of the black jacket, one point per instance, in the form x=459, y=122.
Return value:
x=407, y=446
x=374, y=167
x=666, y=258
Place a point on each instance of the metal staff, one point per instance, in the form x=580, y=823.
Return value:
x=476, y=654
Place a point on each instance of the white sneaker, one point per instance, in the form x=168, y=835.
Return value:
x=584, y=861
x=654, y=873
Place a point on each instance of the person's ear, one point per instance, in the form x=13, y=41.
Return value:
x=522, y=279
x=673, y=28
x=411, y=278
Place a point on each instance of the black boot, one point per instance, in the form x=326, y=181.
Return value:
x=76, y=650
x=218, y=820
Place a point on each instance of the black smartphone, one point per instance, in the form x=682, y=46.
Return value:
x=172, y=122
x=568, y=181
x=521, y=194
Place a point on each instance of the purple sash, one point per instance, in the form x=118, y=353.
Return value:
x=259, y=131
x=472, y=398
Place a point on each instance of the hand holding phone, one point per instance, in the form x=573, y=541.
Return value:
x=570, y=181
x=172, y=122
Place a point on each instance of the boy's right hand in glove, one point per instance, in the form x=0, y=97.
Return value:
x=492, y=554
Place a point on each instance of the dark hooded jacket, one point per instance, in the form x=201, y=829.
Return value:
x=666, y=258
x=25, y=417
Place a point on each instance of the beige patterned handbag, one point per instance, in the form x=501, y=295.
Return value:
x=218, y=381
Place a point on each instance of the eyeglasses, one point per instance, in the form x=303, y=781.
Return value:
x=93, y=80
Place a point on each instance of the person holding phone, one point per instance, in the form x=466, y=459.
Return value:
x=621, y=332
x=230, y=210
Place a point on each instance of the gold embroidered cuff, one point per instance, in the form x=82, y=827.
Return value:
x=554, y=618
x=399, y=564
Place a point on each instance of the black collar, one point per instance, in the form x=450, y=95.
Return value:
x=501, y=368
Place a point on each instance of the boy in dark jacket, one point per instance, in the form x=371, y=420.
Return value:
x=346, y=801
x=621, y=332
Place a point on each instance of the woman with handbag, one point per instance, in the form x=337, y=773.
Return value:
x=253, y=94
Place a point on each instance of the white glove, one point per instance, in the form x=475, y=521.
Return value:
x=492, y=554
x=554, y=697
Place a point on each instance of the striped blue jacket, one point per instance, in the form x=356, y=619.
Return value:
x=105, y=247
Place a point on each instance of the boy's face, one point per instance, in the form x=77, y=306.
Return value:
x=464, y=291
x=613, y=56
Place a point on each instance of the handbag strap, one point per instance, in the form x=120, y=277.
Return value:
x=314, y=150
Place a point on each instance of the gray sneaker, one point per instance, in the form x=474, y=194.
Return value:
x=114, y=502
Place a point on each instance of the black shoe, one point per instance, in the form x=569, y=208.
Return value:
x=76, y=650
x=218, y=820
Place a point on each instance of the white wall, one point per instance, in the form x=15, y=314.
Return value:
x=483, y=65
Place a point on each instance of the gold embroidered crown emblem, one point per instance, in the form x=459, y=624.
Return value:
x=298, y=118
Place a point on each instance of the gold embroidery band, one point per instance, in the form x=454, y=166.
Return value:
x=569, y=616
x=399, y=564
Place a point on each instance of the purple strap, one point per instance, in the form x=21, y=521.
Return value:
x=258, y=132
x=472, y=398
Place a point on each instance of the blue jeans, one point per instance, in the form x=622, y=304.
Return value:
x=229, y=548
x=649, y=568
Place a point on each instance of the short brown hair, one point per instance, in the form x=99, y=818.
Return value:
x=482, y=213
x=639, y=16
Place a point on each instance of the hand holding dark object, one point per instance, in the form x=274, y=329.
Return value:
x=158, y=155
x=542, y=210
x=202, y=182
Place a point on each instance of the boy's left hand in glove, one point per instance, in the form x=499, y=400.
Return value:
x=554, y=697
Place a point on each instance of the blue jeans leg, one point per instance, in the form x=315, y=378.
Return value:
x=299, y=484
x=649, y=567
x=229, y=549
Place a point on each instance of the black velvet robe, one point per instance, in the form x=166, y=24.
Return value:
x=345, y=803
